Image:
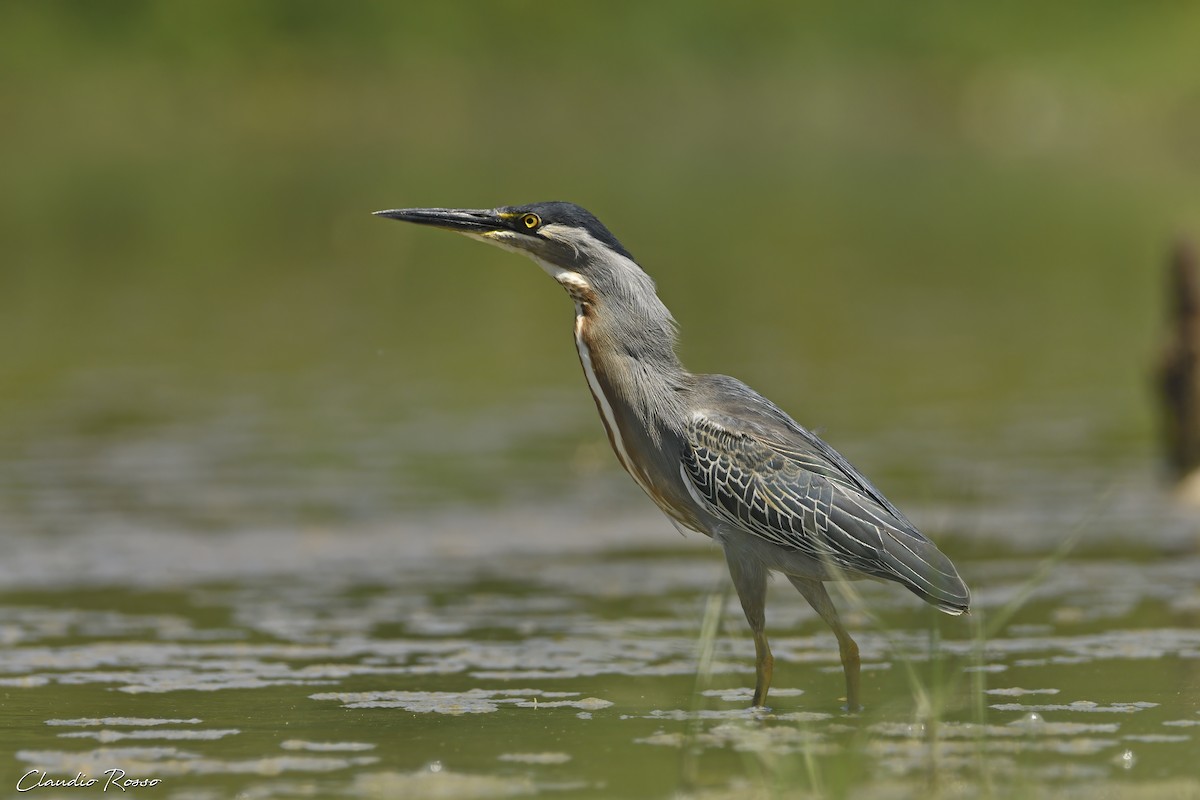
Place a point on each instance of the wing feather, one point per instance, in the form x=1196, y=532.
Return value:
x=793, y=490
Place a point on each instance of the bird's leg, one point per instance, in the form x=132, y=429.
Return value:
x=814, y=592
x=750, y=579
x=764, y=667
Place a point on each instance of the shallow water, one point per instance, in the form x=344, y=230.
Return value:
x=296, y=502
x=535, y=651
x=312, y=588
x=296, y=593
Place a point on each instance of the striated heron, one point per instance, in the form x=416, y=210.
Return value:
x=716, y=456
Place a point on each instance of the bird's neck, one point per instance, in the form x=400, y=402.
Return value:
x=634, y=352
x=634, y=376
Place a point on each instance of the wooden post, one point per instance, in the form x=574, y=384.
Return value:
x=1179, y=373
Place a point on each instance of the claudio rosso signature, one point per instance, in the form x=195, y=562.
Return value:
x=113, y=779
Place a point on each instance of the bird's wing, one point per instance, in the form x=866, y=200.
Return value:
x=809, y=444
x=793, y=490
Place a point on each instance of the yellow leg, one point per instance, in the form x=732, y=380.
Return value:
x=852, y=666
x=814, y=592
x=750, y=580
x=764, y=666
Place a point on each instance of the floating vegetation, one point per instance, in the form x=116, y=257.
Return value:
x=744, y=694
x=326, y=747
x=535, y=758
x=107, y=735
x=366, y=687
x=1085, y=706
x=141, y=722
x=440, y=783
x=472, y=701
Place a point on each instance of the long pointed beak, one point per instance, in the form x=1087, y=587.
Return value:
x=463, y=220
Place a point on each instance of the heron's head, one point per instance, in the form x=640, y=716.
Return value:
x=567, y=241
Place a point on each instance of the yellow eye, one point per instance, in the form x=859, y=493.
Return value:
x=531, y=221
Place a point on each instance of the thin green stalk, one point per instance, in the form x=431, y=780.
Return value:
x=706, y=648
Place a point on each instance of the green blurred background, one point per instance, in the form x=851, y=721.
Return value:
x=938, y=218
x=237, y=411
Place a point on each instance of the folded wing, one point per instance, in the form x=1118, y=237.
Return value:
x=786, y=486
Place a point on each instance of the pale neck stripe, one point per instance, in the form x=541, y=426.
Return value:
x=610, y=419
